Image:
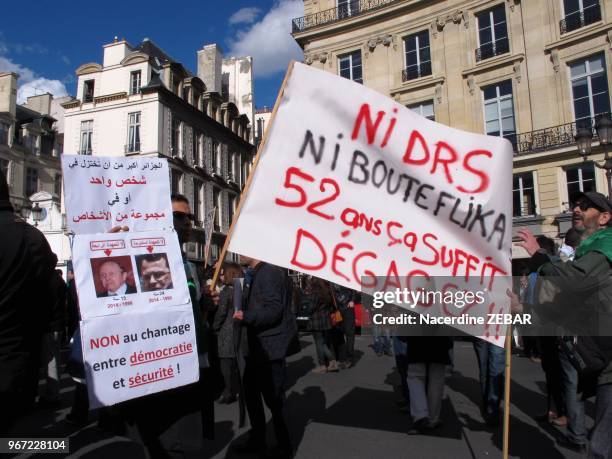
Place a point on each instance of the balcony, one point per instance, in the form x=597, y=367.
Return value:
x=493, y=49
x=413, y=72
x=578, y=19
x=550, y=138
x=348, y=10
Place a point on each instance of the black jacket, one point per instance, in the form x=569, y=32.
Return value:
x=271, y=326
x=27, y=277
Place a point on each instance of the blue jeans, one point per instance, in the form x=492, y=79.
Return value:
x=601, y=439
x=491, y=364
x=574, y=406
x=400, y=349
x=382, y=339
x=324, y=352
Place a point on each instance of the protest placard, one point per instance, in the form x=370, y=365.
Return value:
x=131, y=272
x=126, y=359
x=103, y=192
x=362, y=187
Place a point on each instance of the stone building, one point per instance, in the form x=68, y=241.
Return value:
x=31, y=142
x=530, y=71
x=142, y=102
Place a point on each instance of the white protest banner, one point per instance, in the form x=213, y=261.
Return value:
x=103, y=192
x=131, y=272
x=349, y=183
x=126, y=359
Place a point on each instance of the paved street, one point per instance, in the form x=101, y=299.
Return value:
x=353, y=414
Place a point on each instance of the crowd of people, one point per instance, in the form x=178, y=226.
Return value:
x=246, y=328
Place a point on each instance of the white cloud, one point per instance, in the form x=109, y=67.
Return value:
x=269, y=40
x=244, y=15
x=30, y=83
x=40, y=86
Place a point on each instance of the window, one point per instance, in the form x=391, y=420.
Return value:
x=523, y=195
x=261, y=126
x=217, y=204
x=4, y=133
x=175, y=141
x=580, y=179
x=176, y=181
x=86, y=137
x=133, y=132
x=198, y=148
x=589, y=89
x=425, y=109
x=232, y=207
x=347, y=8
x=244, y=172
x=30, y=141
x=31, y=183
x=350, y=66
x=579, y=13
x=186, y=93
x=4, y=168
x=135, y=81
x=216, y=157
x=57, y=185
x=499, y=110
x=492, y=33
x=197, y=200
x=88, y=91
x=233, y=158
x=418, y=56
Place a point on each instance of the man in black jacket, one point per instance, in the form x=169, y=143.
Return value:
x=26, y=272
x=271, y=328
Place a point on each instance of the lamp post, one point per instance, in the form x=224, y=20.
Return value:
x=36, y=213
x=584, y=138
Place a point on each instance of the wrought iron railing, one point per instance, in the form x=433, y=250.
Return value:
x=578, y=19
x=346, y=10
x=553, y=137
x=416, y=71
x=492, y=49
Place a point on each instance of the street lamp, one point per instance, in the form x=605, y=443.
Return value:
x=36, y=214
x=25, y=211
x=584, y=138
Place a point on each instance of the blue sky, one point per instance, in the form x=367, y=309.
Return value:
x=46, y=42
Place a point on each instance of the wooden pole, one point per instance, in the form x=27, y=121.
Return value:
x=247, y=186
x=506, y=444
x=209, y=237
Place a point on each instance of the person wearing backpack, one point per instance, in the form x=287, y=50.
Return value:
x=577, y=296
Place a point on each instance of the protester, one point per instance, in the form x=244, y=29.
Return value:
x=491, y=365
x=224, y=328
x=187, y=408
x=382, y=340
x=400, y=351
x=52, y=342
x=578, y=294
x=321, y=325
x=427, y=359
x=271, y=331
x=576, y=435
x=27, y=276
x=549, y=353
x=345, y=301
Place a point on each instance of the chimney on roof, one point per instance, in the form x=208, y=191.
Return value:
x=8, y=92
x=40, y=103
x=210, y=58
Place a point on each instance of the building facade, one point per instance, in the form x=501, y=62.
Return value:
x=142, y=102
x=531, y=71
x=31, y=142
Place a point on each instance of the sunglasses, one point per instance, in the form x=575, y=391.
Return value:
x=183, y=216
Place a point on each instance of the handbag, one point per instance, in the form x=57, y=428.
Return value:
x=336, y=316
x=585, y=354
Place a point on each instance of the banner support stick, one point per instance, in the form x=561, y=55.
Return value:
x=506, y=424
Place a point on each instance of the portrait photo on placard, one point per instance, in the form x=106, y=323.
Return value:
x=113, y=276
x=154, y=272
